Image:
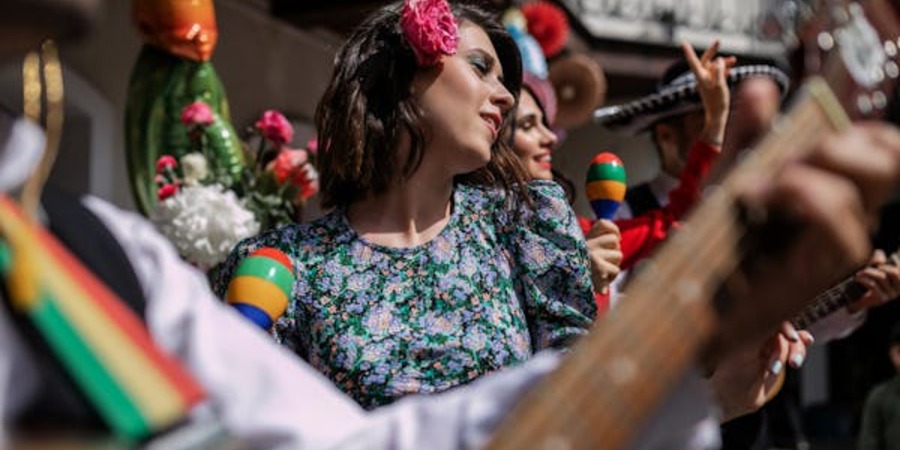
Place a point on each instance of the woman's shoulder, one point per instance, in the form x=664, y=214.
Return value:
x=546, y=201
x=543, y=191
x=539, y=191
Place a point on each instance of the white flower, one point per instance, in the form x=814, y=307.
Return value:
x=194, y=167
x=204, y=223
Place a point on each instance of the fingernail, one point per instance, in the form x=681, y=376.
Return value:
x=812, y=339
x=776, y=367
x=793, y=336
x=797, y=360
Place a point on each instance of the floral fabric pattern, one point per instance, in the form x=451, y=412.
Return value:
x=496, y=285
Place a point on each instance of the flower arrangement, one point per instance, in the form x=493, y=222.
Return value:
x=205, y=213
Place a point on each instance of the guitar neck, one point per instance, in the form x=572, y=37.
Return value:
x=839, y=296
x=835, y=298
x=619, y=373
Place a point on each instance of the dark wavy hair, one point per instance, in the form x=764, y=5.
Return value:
x=368, y=105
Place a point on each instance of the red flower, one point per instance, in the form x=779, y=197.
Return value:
x=197, y=113
x=287, y=164
x=275, y=127
x=430, y=29
x=166, y=191
x=548, y=24
x=293, y=166
x=165, y=162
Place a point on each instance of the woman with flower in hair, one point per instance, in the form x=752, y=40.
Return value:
x=439, y=261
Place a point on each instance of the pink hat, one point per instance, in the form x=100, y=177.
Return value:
x=543, y=92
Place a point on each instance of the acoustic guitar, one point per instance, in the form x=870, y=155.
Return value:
x=604, y=390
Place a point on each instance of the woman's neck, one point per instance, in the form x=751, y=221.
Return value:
x=410, y=213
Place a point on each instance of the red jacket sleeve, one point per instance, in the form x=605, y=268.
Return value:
x=641, y=234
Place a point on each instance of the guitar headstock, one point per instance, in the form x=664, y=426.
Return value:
x=854, y=46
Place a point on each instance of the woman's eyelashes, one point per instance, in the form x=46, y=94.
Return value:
x=484, y=64
x=481, y=64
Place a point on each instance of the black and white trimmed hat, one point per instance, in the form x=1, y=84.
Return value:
x=676, y=96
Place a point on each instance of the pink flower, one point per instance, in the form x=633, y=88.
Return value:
x=430, y=29
x=166, y=191
x=312, y=146
x=165, y=162
x=275, y=127
x=197, y=113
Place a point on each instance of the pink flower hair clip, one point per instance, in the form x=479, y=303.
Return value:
x=430, y=29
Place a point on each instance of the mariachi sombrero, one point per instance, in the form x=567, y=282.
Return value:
x=676, y=97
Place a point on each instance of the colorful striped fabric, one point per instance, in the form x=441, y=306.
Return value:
x=135, y=387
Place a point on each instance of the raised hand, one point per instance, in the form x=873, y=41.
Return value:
x=712, y=85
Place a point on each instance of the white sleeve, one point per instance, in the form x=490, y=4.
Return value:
x=687, y=420
x=270, y=397
x=18, y=375
x=837, y=325
x=256, y=389
x=462, y=418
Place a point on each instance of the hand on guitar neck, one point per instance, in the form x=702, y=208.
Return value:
x=881, y=278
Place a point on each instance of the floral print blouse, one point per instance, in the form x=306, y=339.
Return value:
x=496, y=285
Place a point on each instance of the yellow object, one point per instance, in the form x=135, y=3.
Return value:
x=606, y=190
x=257, y=292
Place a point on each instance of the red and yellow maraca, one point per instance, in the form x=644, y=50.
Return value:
x=606, y=184
x=261, y=287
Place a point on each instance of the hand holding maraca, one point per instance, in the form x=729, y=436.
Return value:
x=605, y=190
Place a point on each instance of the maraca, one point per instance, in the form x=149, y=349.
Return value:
x=605, y=184
x=262, y=286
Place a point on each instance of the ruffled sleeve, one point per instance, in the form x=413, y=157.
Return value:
x=550, y=267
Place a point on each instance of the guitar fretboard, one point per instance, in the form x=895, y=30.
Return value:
x=835, y=298
x=841, y=295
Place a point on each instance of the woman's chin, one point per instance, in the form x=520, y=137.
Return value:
x=540, y=172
